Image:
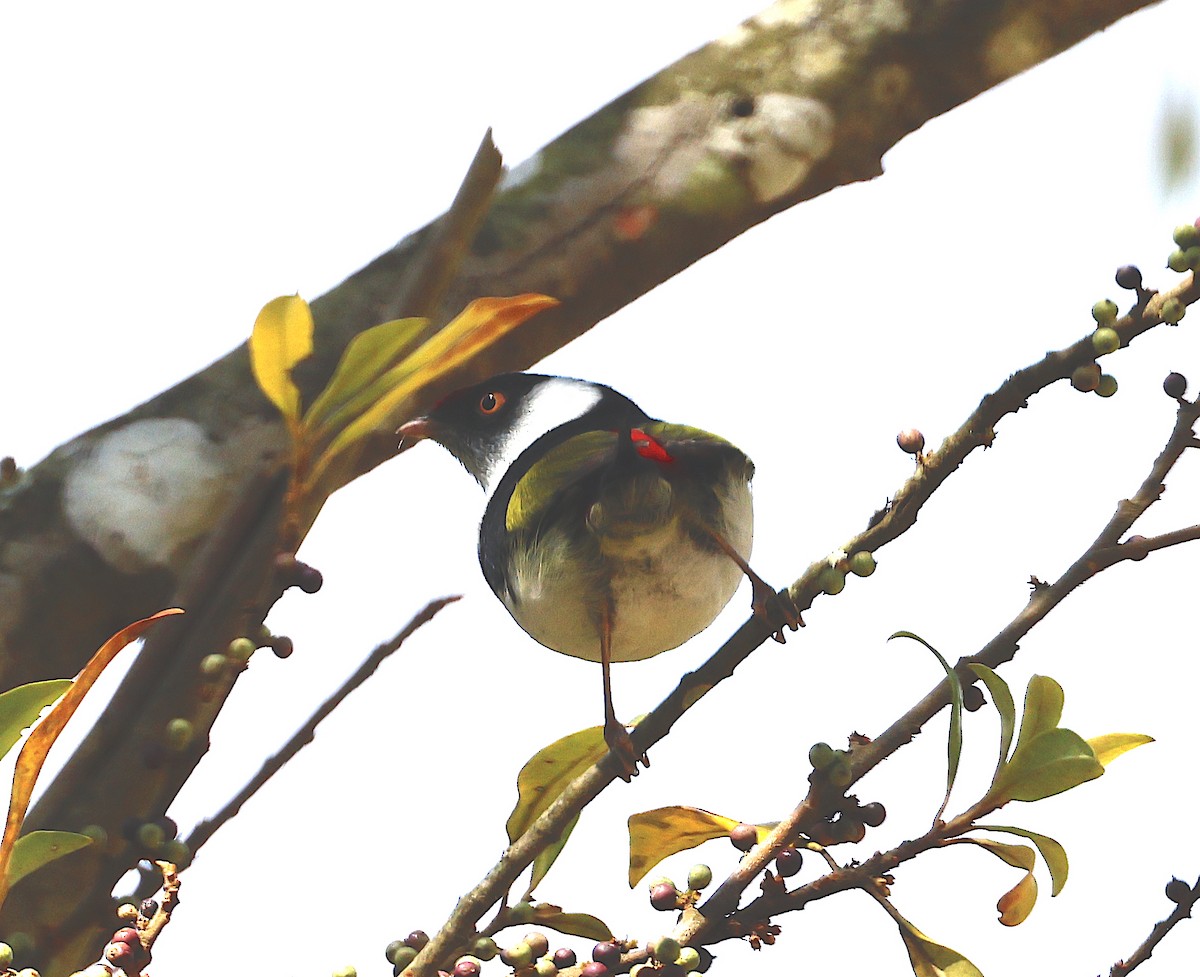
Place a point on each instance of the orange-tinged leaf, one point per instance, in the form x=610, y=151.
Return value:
x=480, y=324
x=929, y=958
x=355, y=383
x=1017, y=903
x=20, y=707
x=1054, y=854
x=1111, y=745
x=39, y=848
x=543, y=778
x=655, y=835
x=33, y=753
x=282, y=337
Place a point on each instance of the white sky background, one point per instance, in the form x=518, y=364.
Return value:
x=168, y=172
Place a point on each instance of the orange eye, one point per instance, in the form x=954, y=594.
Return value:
x=491, y=402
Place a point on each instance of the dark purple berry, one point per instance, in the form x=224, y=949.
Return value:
x=1178, y=891
x=281, y=645
x=744, y=836
x=466, y=968
x=564, y=958
x=310, y=579
x=788, y=862
x=594, y=969
x=1175, y=385
x=417, y=939
x=874, y=814
x=607, y=955
x=148, y=908
x=1129, y=276
x=664, y=897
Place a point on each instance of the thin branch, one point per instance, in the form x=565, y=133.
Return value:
x=1182, y=910
x=306, y=733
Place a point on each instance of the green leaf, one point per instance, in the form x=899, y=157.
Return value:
x=1018, y=856
x=282, y=337
x=354, y=385
x=543, y=778
x=1050, y=763
x=1053, y=853
x=39, y=848
x=1003, y=701
x=954, y=741
x=1043, y=708
x=20, y=708
x=929, y=958
x=1017, y=903
x=1111, y=745
x=573, y=924
x=655, y=835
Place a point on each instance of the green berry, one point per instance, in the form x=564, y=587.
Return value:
x=1107, y=385
x=545, y=967
x=97, y=833
x=402, y=956
x=862, y=563
x=689, y=958
x=665, y=949
x=699, y=877
x=484, y=948
x=6, y=956
x=212, y=666
x=180, y=734
x=1172, y=310
x=1085, y=377
x=1106, y=340
x=832, y=581
x=1177, y=261
x=518, y=955
x=839, y=772
x=240, y=649
x=1104, y=311
x=537, y=943
x=349, y=970
x=176, y=852
x=1186, y=235
x=821, y=755
x=151, y=837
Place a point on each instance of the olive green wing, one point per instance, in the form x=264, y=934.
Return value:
x=561, y=467
x=698, y=446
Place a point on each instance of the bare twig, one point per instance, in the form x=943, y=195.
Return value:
x=1182, y=910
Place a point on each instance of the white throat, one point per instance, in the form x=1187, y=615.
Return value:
x=550, y=405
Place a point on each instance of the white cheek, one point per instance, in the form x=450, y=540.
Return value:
x=551, y=405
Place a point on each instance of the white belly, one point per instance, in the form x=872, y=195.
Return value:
x=665, y=589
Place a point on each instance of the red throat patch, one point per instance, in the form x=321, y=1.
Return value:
x=647, y=447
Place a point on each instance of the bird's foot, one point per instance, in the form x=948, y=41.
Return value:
x=777, y=609
x=620, y=744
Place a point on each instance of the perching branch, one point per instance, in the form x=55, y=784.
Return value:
x=1187, y=896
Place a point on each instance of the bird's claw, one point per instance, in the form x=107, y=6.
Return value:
x=620, y=745
x=777, y=609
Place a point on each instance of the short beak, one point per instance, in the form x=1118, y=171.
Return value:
x=418, y=429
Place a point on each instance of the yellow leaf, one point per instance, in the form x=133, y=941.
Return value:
x=479, y=325
x=929, y=958
x=655, y=835
x=282, y=337
x=1017, y=903
x=33, y=753
x=1111, y=745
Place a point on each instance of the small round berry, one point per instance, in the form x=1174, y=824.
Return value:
x=564, y=957
x=484, y=948
x=594, y=968
x=126, y=934
x=607, y=954
x=699, y=877
x=839, y=772
x=1175, y=385
x=417, y=939
x=832, y=581
x=151, y=837
x=1129, y=276
x=400, y=954
x=1106, y=340
x=850, y=829
x=148, y=908
x=788, y=862
x=176, y=852
x=664, y=897
x=281, y=645
x=127, y=912
x=520, y=913
x=874, y=814
x=1172, y=310
x=862, y=563
x=1085, y=377
x=213, y=666
x=821, y=755
x=689, y=958
x=180, y=734
x=240, y=649
x=6, y=956
x=1107, y=385
x=744, y=836
x=348, y=970
x=973, y=699
x=519, y=955
x=1178, y=891
x=120, y=955
x=911, y=441
x=537, y=943
x=641, y=970
x=665, y=949
x=1105, y=311
x=97, y=833
x=1186, y=235
x=466, y=967
x=545, y=967
x=1177, y=261
x=309, y=579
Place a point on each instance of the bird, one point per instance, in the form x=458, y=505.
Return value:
x=607, y=534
